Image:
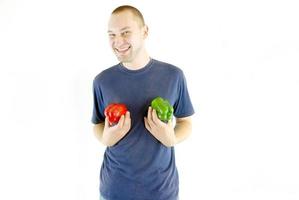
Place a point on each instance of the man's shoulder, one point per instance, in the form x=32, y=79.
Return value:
x=171, y=68
x=106, y=73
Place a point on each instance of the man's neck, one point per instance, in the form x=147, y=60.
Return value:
x=138, y=63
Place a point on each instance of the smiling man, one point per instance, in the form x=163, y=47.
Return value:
x=127, y=32
x=139, y=161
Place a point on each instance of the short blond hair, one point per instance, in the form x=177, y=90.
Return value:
x=133, y=10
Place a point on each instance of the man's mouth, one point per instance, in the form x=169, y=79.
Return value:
x=122, y=50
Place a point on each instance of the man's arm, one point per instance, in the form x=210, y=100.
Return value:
x=98, y=131
x=182, y=129
x=165, y=133
x=110, y=135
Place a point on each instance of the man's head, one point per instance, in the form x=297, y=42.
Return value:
x=127, y=32
x=136, y=13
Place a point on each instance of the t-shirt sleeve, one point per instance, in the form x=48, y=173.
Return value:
x=97, y=114
x=183, y=106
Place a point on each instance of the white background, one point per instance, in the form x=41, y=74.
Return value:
x=241, y=62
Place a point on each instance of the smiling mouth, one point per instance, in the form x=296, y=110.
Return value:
x=122, y=50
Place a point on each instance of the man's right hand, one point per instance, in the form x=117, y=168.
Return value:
x=112, y=134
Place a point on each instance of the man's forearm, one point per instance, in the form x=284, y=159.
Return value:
x=182, y=130
x=98, y=131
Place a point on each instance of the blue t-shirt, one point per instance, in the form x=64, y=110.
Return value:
x=139, y=167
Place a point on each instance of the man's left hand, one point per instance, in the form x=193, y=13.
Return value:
x=164, y=132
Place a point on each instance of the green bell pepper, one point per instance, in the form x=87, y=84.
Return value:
x=163, y=108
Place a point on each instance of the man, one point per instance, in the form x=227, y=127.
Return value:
x=139, y=161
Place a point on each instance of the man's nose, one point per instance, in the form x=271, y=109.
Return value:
x=118, y=40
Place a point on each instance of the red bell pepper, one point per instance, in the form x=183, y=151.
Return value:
x=114, y=111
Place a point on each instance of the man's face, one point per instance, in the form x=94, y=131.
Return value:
x=126, y=36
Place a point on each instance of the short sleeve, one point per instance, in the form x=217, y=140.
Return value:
x=97, y=114
x=183, y=106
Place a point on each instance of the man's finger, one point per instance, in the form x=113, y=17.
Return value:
x=127, y=119
x=150, y=117
x=147, y=126
x=149, y=114
x=156, y=120
x=106, y=122
x=121, y=121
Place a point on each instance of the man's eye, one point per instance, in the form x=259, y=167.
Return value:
x=126, y=33
x=111, y=35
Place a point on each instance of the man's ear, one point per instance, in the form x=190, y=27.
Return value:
x=145, y=31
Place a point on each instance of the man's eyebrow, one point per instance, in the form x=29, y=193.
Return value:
x=122, y=29
x=125, y=28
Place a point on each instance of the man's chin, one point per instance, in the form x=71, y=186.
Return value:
x=123, y=60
